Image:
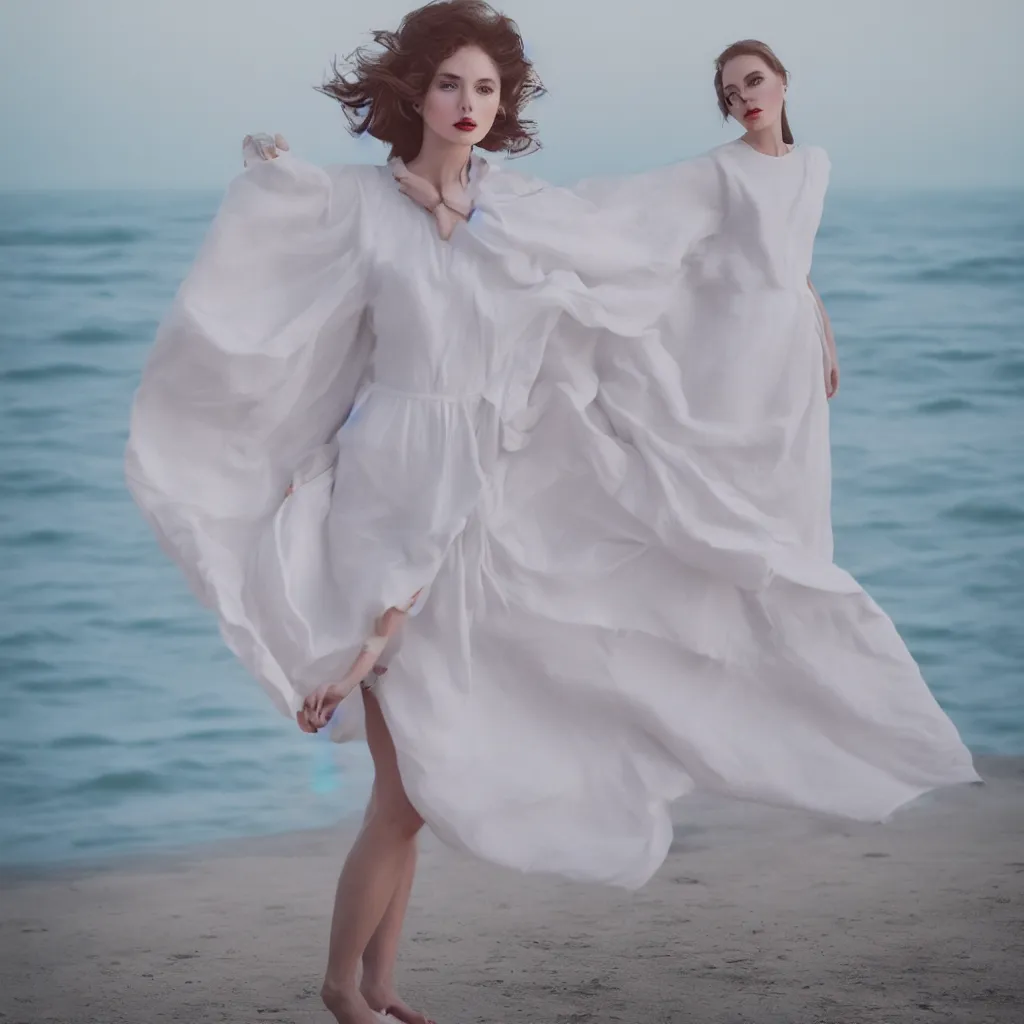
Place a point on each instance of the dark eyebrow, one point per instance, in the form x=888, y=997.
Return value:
x=458, y=78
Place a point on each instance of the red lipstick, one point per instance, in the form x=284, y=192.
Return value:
x=467, y=124
x=751, y=114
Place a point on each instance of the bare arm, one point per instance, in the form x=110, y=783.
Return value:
x=832, y=372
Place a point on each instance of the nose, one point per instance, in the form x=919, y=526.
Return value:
x=466, y=101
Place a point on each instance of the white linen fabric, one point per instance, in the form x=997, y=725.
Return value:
x=592, y=427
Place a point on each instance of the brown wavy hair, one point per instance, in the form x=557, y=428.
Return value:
x=378, y=87
x=751, y=48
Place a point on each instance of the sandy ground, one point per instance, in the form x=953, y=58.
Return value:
x=758, y=915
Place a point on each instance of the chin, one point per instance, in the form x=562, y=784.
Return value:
x=462, y=138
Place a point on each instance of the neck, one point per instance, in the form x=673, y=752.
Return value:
x=767, y=140
x=440, y=162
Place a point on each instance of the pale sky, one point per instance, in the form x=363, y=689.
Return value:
x=158, y=93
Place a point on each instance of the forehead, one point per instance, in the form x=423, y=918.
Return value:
x=738, y=68
x=469, y=62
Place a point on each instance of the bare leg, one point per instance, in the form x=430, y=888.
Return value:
x=376, y=866
x=378, y=982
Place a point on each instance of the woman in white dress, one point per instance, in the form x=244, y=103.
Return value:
x=589, y=436
x=751, y=84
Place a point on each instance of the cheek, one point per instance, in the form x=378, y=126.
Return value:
x=490, y=106
x=773, y=95
x=437, y=108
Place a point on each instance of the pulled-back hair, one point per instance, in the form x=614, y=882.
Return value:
x=751, y=48
x=378, y=87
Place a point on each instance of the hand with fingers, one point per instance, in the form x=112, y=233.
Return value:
x=831, y=370
x=448, y=209
x=262, y=147
x=421, y=191
x=319, y=706
x=832, y=381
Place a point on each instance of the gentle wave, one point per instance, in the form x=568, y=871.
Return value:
x=108, y=279
x=137, y=781
x=961, y=355
x=1012, y=370
x=941, y=406
x=93, y=336
x=47, y=538
x=87, y=741
x=50, y=373
x=986, y=270
x=75, y=237
x=35, y=482
x=989, y=513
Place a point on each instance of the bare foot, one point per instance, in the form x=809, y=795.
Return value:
x=348, y=1006
x=388, y=1003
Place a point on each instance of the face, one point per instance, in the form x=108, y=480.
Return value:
x=753, y=92
x=462, y=102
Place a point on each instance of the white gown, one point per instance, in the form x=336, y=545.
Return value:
x=593, y=427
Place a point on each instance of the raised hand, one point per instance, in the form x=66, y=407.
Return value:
x=449, y=209
x=419, y=190
x=262, y=147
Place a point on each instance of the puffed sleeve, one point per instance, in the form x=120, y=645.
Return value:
x=254, y=368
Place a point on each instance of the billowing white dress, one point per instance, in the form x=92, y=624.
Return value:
x=592, y=426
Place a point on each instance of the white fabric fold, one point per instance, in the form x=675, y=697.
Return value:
x=592, y=428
